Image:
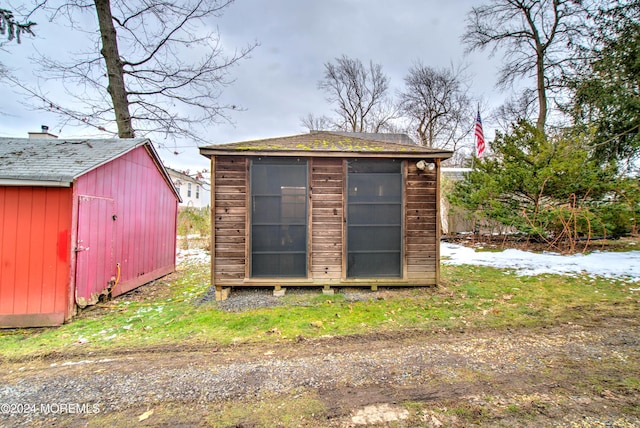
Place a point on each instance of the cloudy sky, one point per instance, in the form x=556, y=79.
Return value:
x=277, y=85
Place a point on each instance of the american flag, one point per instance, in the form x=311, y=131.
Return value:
x=479, y=136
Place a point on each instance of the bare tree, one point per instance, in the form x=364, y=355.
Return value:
x=535, y=34
x=318, y=123
x=161, y=66
x=518, y=107
x=360, y=94
x=437, y=103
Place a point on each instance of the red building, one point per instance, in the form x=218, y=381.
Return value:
x=80, y=219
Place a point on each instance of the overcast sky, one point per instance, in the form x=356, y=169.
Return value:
x=277, y=85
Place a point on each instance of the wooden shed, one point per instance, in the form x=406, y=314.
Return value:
x=325, y=209
x=79, y=219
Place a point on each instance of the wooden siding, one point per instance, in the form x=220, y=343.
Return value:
x=421, y=224
x=35, y=235
x=144, y=229
x=230, y=237
x=327, y=200
x=230, y=208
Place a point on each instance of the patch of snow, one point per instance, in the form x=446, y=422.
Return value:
x=618, y=265
x=74, y=363
x=195, y=255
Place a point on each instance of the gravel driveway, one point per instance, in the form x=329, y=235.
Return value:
x=490, y=371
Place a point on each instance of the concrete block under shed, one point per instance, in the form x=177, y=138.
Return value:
x=279, y=292
x=222, y=293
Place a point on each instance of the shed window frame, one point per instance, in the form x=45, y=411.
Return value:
x=384, y=213
x=279, y=220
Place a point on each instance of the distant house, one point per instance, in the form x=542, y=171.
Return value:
x=80, y=218
x=325, y=209
x=194, y=191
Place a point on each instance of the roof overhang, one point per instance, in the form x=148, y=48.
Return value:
x=35, y=183
x=408, y=154
x=328, y=144
x=163, y=170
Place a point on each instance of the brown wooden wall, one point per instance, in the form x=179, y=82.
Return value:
x=229, y=220
x=230, y=225
x=327, y=201
x=421, y=223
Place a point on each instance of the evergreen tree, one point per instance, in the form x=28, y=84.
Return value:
x=12, y=28
x=607, y=88
x=550, y=188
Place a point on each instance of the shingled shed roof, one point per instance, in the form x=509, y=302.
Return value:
x=57, y=162
x=325, y=143
x=388, y=137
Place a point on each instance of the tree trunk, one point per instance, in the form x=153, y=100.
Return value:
x=115, y=73
x=542, y=94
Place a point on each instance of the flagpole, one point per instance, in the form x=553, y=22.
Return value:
x=475, y=147
x=479, y=135
x=475, y=138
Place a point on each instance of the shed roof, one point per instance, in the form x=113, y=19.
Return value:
x=380, y=136
x=326, y=143
x=57, y=162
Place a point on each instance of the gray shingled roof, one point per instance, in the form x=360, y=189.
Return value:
x=325, y=142
x=58, y=160
x=380, y=136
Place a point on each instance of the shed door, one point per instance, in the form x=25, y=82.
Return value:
x=374, y=218
x=94, y=248
x=278, y=218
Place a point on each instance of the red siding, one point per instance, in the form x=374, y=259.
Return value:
x=35, y=228
x=144, y=232
x=94, y=248
x=123, y=212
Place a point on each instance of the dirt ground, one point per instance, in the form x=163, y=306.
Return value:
x=579, y=374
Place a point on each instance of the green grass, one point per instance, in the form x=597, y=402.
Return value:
x=468, y=297
x=292, y=409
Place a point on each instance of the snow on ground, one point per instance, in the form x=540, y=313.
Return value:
x=619, y=265
x=195, y=255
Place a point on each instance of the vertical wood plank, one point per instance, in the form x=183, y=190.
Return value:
x=37, y=226
x=8, y=246
x=213, y=221
x=23, y=250
x=247, y=218
x=438, y=225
